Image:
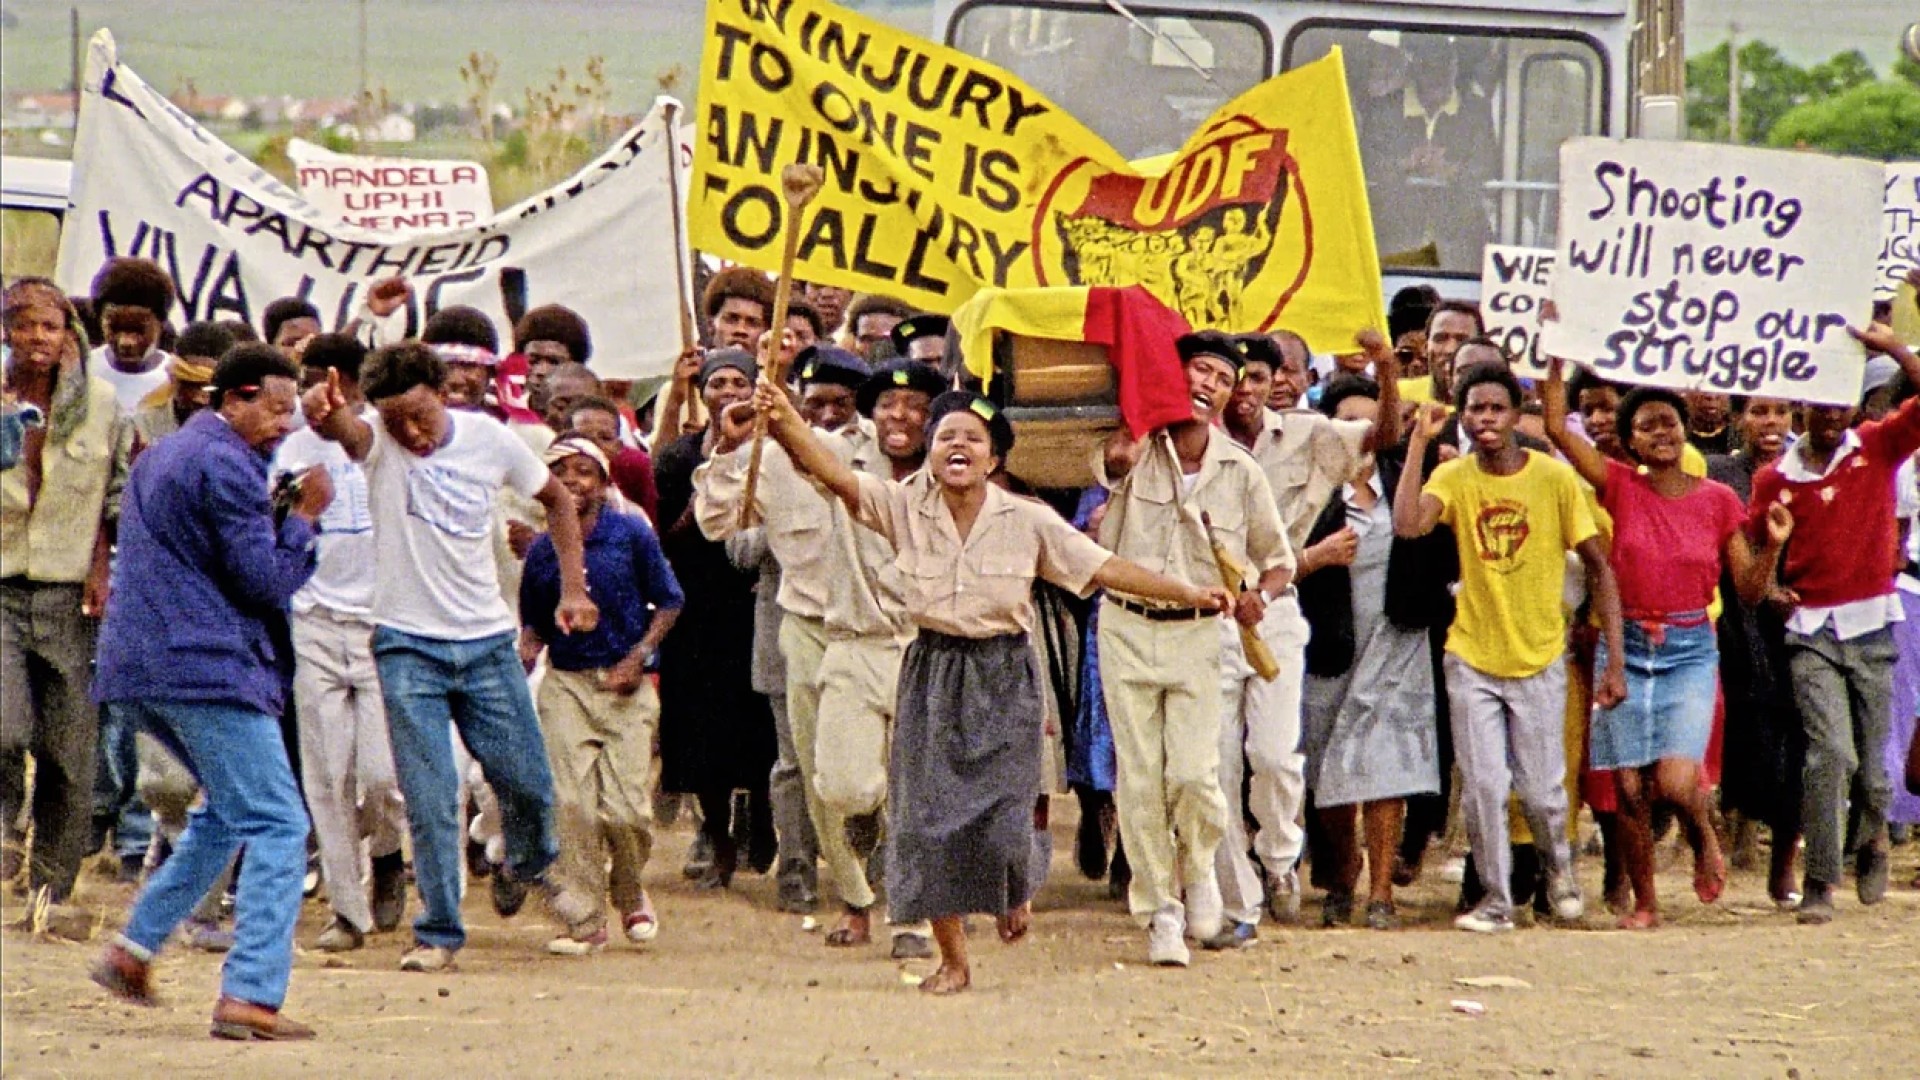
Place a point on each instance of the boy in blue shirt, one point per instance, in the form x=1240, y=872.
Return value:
x=598, y=708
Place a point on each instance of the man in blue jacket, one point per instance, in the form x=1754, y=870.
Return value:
x=185, y=654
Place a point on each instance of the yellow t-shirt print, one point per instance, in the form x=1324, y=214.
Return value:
x=1513, y=534
x=1500, y=530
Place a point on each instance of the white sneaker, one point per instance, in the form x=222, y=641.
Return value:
x=1564, y=895
x=1484, y=920
x=1283, y=897
x=1166, y=938
x=1205, y=910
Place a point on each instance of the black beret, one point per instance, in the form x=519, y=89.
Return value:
x=999, y=428
x=906, y=331
x=830, y=364
x=1210, y=343
x=899, y=375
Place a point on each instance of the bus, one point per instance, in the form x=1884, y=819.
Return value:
x=1460, y=105
x=33, y=201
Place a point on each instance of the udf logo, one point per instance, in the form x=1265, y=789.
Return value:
x=1224, y=236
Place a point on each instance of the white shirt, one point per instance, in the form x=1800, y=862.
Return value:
x=344, y=580
x=129, y=386
x=433, y=519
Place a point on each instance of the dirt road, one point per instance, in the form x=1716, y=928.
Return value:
x=733, y=987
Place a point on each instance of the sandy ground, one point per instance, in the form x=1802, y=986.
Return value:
x=734, y=987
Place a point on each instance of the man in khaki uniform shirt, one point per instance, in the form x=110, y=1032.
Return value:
x=1161, y=666
x=1305, y=457
x=845, y=625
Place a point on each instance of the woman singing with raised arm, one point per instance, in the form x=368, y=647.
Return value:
x=966, y=743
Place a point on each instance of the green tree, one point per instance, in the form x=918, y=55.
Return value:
x=1907, y=68
x=1838, y=74
x=1875, y=120
x=1771, y=87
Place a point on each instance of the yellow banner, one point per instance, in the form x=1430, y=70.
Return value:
x=945, y=174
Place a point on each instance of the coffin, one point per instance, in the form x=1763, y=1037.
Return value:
x=1062, y=400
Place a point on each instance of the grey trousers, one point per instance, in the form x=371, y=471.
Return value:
x=1845, y=693
x=1509, y=735
x=799, y=859
x=46, y=667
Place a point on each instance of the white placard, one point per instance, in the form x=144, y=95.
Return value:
x=1717, y=268
x=1513, y=285
x=388, y=194
x=148, y=181
x=1900, y=235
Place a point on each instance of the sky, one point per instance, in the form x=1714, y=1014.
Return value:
x=1806, y=30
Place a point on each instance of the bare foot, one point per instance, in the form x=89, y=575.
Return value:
x=946, y=980
x=1639, y=920
x=856, y=928
x=1014, y=924
x=1709, y=874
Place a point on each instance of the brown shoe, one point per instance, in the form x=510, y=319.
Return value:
x=236, y=1019
x=124, y=975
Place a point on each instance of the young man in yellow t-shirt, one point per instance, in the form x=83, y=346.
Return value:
x=1514, y=513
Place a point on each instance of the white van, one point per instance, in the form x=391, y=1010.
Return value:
x=34, y=198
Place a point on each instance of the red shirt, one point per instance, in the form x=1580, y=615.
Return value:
x=633, y=475
x=1667, y=553
x=1845, y=542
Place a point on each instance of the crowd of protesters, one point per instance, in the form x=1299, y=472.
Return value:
x=457, y=609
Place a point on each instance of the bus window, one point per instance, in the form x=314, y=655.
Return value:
x=29, y=242
x=1143, y=88
x=1460, y=134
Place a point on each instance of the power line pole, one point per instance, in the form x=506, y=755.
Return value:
x=363, y=104
x=73, y=59
x=1733, y=83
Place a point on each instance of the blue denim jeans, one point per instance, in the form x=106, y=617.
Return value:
x=431, y=687
x=240, y=762
x=116, y=795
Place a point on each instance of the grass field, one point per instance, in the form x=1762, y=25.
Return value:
x=307, y=48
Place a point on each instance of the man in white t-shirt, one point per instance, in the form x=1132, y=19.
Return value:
x=131, y=298
x=443, y=637
x=346, y=759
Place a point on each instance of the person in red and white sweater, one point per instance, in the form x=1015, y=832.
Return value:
x=1837, y=578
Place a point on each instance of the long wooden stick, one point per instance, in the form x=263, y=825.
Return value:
x=682, y=283
x=1232, y=576
x=799, y=182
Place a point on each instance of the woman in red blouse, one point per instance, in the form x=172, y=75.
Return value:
x=1672, y=535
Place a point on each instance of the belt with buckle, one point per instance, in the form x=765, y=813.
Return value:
x=1160, y=614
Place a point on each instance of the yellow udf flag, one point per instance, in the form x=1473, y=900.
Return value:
x=946, y=174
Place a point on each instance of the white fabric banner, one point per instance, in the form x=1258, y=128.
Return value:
x=391, y=194
x=1717, y=268
x=150, y=182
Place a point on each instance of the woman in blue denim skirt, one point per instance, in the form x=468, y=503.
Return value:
x=1672, y=535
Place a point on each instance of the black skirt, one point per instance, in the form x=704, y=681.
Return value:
x=965, y=770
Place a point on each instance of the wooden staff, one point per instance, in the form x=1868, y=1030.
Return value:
x=799, y=182
x=682, y=283
x=1232, y=574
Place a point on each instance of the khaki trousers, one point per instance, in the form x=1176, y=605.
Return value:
x=600, y=745
x=859, y=682
x=346, y=755
x=1260, y=727
x=1162, y=687
x=804, y=642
